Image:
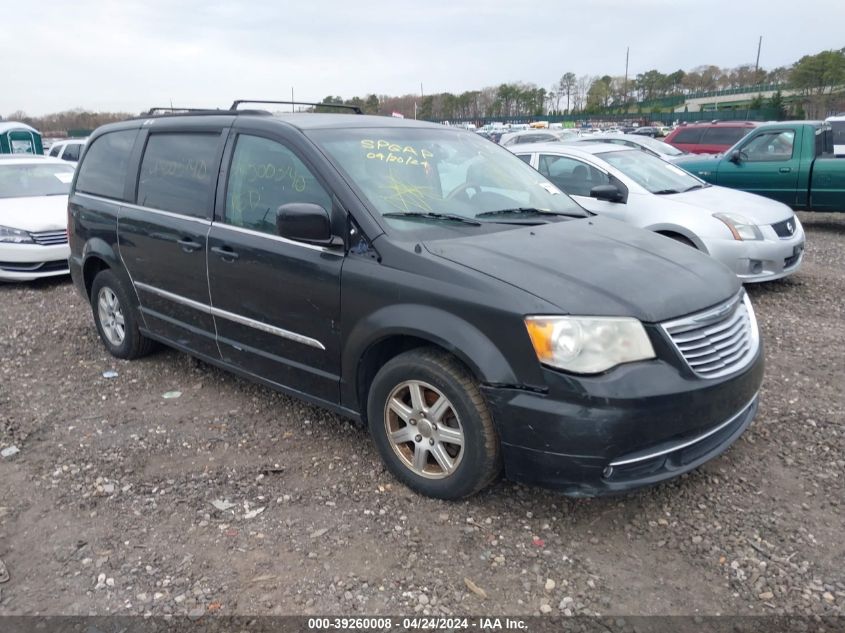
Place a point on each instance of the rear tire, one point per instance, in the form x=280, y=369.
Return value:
x=116, y=318
x=432, y=426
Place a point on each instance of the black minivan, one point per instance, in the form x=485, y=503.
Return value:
x=421, y=280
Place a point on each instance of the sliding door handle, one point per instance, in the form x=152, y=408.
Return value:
x=188, y=245
x=225, y=252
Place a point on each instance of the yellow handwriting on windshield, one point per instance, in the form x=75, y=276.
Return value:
x=406, y=196
x=396, y=153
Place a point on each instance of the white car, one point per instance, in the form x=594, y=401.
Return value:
x=757, y=238
x=645, y=143
x=538, y=136
x=69, y=150
x=837, y=123
x=33, y=217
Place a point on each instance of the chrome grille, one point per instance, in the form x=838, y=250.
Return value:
x=50, y=238
x=718, y=341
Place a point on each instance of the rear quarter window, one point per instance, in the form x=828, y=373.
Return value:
x=177, y=172
x=103, y=172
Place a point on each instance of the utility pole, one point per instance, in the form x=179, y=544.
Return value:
x=292, y=106
x=757, y=63
x=625, y=85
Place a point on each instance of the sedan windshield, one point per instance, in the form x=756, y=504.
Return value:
x=430, y=174
x=651, y=173
x=659, y=146
x=26, y=180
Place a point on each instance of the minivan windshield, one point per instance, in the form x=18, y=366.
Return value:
x=653, y=174
x=26, y=180
x=428, y=174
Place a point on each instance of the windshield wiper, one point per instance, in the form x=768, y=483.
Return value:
x=663, y=192
x=523, y=210
x=431, y=215
x=694, y=187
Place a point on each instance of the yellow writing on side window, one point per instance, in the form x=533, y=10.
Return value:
x=396, y=153
x=253, y=172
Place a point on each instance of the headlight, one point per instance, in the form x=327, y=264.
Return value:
x=588, y=345
x=741, y=227
x=14, y=236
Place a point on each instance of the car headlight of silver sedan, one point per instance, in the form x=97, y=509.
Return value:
x=9, y=235
x=741, y=227
x=588, y=345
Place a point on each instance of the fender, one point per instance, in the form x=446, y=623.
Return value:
x=680, y=230
x=441, y=328
x=98, y=248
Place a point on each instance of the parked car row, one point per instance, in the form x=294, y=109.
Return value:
x=790, y=161
x=758, y=239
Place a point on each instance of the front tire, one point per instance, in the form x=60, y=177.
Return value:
x=116, y=318
x=432, y=426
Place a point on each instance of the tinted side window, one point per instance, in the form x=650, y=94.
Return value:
x=54, y=151
x=72, y=151
x=525, y=158
x=103, y=172
x=688, y=136
x=265, y=175
x=724, y=135
x=177, y=173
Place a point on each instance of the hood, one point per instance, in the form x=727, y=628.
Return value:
x=597, y=266
x=38, y=213
x=702, y=165
x=759, y=210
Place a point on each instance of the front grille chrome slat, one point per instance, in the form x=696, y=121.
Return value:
x=49, y=238
x=718, y=341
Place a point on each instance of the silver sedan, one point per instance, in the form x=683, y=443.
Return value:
x=757, y=238
x=646, y=143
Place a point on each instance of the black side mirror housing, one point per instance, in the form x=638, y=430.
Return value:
x=735, y=156
x=610, y=193
x=305, y=222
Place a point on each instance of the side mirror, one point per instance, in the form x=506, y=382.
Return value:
x=610, y=193
x=735, y=156
x=304, y=222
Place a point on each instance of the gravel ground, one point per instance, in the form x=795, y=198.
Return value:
x=108, y=506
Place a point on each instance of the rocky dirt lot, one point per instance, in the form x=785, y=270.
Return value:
x=233, y=499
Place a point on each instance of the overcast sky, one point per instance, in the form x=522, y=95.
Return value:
x=129, y=55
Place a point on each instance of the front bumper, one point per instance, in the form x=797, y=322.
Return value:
x=26, y=262
x=635, y=426
x=761, y=260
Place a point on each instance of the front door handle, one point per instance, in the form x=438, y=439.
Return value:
x=785, y=170
x=225, y=252
x=188, y=245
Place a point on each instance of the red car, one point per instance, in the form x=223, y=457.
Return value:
x=709, y=138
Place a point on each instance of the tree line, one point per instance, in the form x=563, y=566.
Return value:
x=819, y=80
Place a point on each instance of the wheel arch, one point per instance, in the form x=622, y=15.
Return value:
x=397, y=329
x=670, y=230
x=98, y=255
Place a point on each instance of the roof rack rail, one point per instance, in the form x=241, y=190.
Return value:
x=171, y=109
x=354, y=108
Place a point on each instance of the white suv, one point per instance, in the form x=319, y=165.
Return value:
x=69, y=150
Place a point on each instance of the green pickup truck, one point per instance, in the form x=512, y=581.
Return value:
x=792, y=162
